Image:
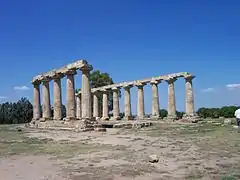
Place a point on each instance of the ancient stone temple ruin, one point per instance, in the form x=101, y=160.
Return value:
x=79, y=106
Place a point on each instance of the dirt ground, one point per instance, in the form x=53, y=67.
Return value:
x=196, y=151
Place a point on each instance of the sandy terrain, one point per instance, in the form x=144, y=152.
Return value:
x=184, y=152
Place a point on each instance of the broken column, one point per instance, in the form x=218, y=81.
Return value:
x=86, y=92
x=71, y=104
x=46, y=108
x=105, y=105
x=57, y=100
x=36, y=100
x=127, y=103
x=140, y=105
x=116, y=109
x=171, y=99
x=155, y=99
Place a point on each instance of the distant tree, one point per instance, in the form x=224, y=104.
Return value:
x=15, y=113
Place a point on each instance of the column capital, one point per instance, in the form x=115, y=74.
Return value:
x=189, y=77
x=155, y=81
x=71, y=72
x=128, y=86
x=36, y=83
x=46, y=79
x=86, y=68
x=58, y=76
x=140, y=84
x=115, y=88
x=171, y=80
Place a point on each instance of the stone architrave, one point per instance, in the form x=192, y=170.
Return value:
x=116, y=108
x=57, y=100
x=46, y=108
x=86, y=93
x=140, y=105
x=36, y=100
x=155, y=99
x=71, y=103
x=127, y=103
x=95, y=105
x=105, y=105
x=171, y=99
x=190, y=112
x=78, y=107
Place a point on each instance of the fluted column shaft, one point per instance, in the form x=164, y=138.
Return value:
x=140, y=105
x=46, y=100
x=86, y=93
x=189, y=96
x=127, y=103
x=105, y=106
x=155, y=99
x=171, y=99
x=71, y=104
x=116, y=108
x=36, y=101
x=95, y=105
x=78, y=107
x=57, y=99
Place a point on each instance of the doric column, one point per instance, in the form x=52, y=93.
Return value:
x=105, y=105
x=140, y=105
x=71, y=103
x=46, y=108
x=171, y=99
x=189, y=96
x=127, y=103
x=190, y=112
x=36, y=101
x=57, y=100
x=86, y=93
x=116, y=108
x=155, y=99
x=78, y=106
x=95, y=105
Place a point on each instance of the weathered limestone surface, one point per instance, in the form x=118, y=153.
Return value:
x=190, y=112
x=78, y=107
x=171, y=99
x=140, y=107
x=86, y=93
x=71, y=103
x=155, y=99
x=36, y=101
x=105, y=105
x=46, y=100
x=127, y=103
x=57, y=100
x=95, y=105
x=116, y=108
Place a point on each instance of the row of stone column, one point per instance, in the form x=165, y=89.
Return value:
x=57, y=99
x=140, y=103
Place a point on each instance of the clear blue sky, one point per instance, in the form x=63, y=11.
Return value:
x=128, y=39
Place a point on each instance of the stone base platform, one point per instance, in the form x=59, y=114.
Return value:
x=89, y=125
x=190, y=118
x=126, y=124
x=75, y=125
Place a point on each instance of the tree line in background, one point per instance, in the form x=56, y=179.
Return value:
x=22, y=111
